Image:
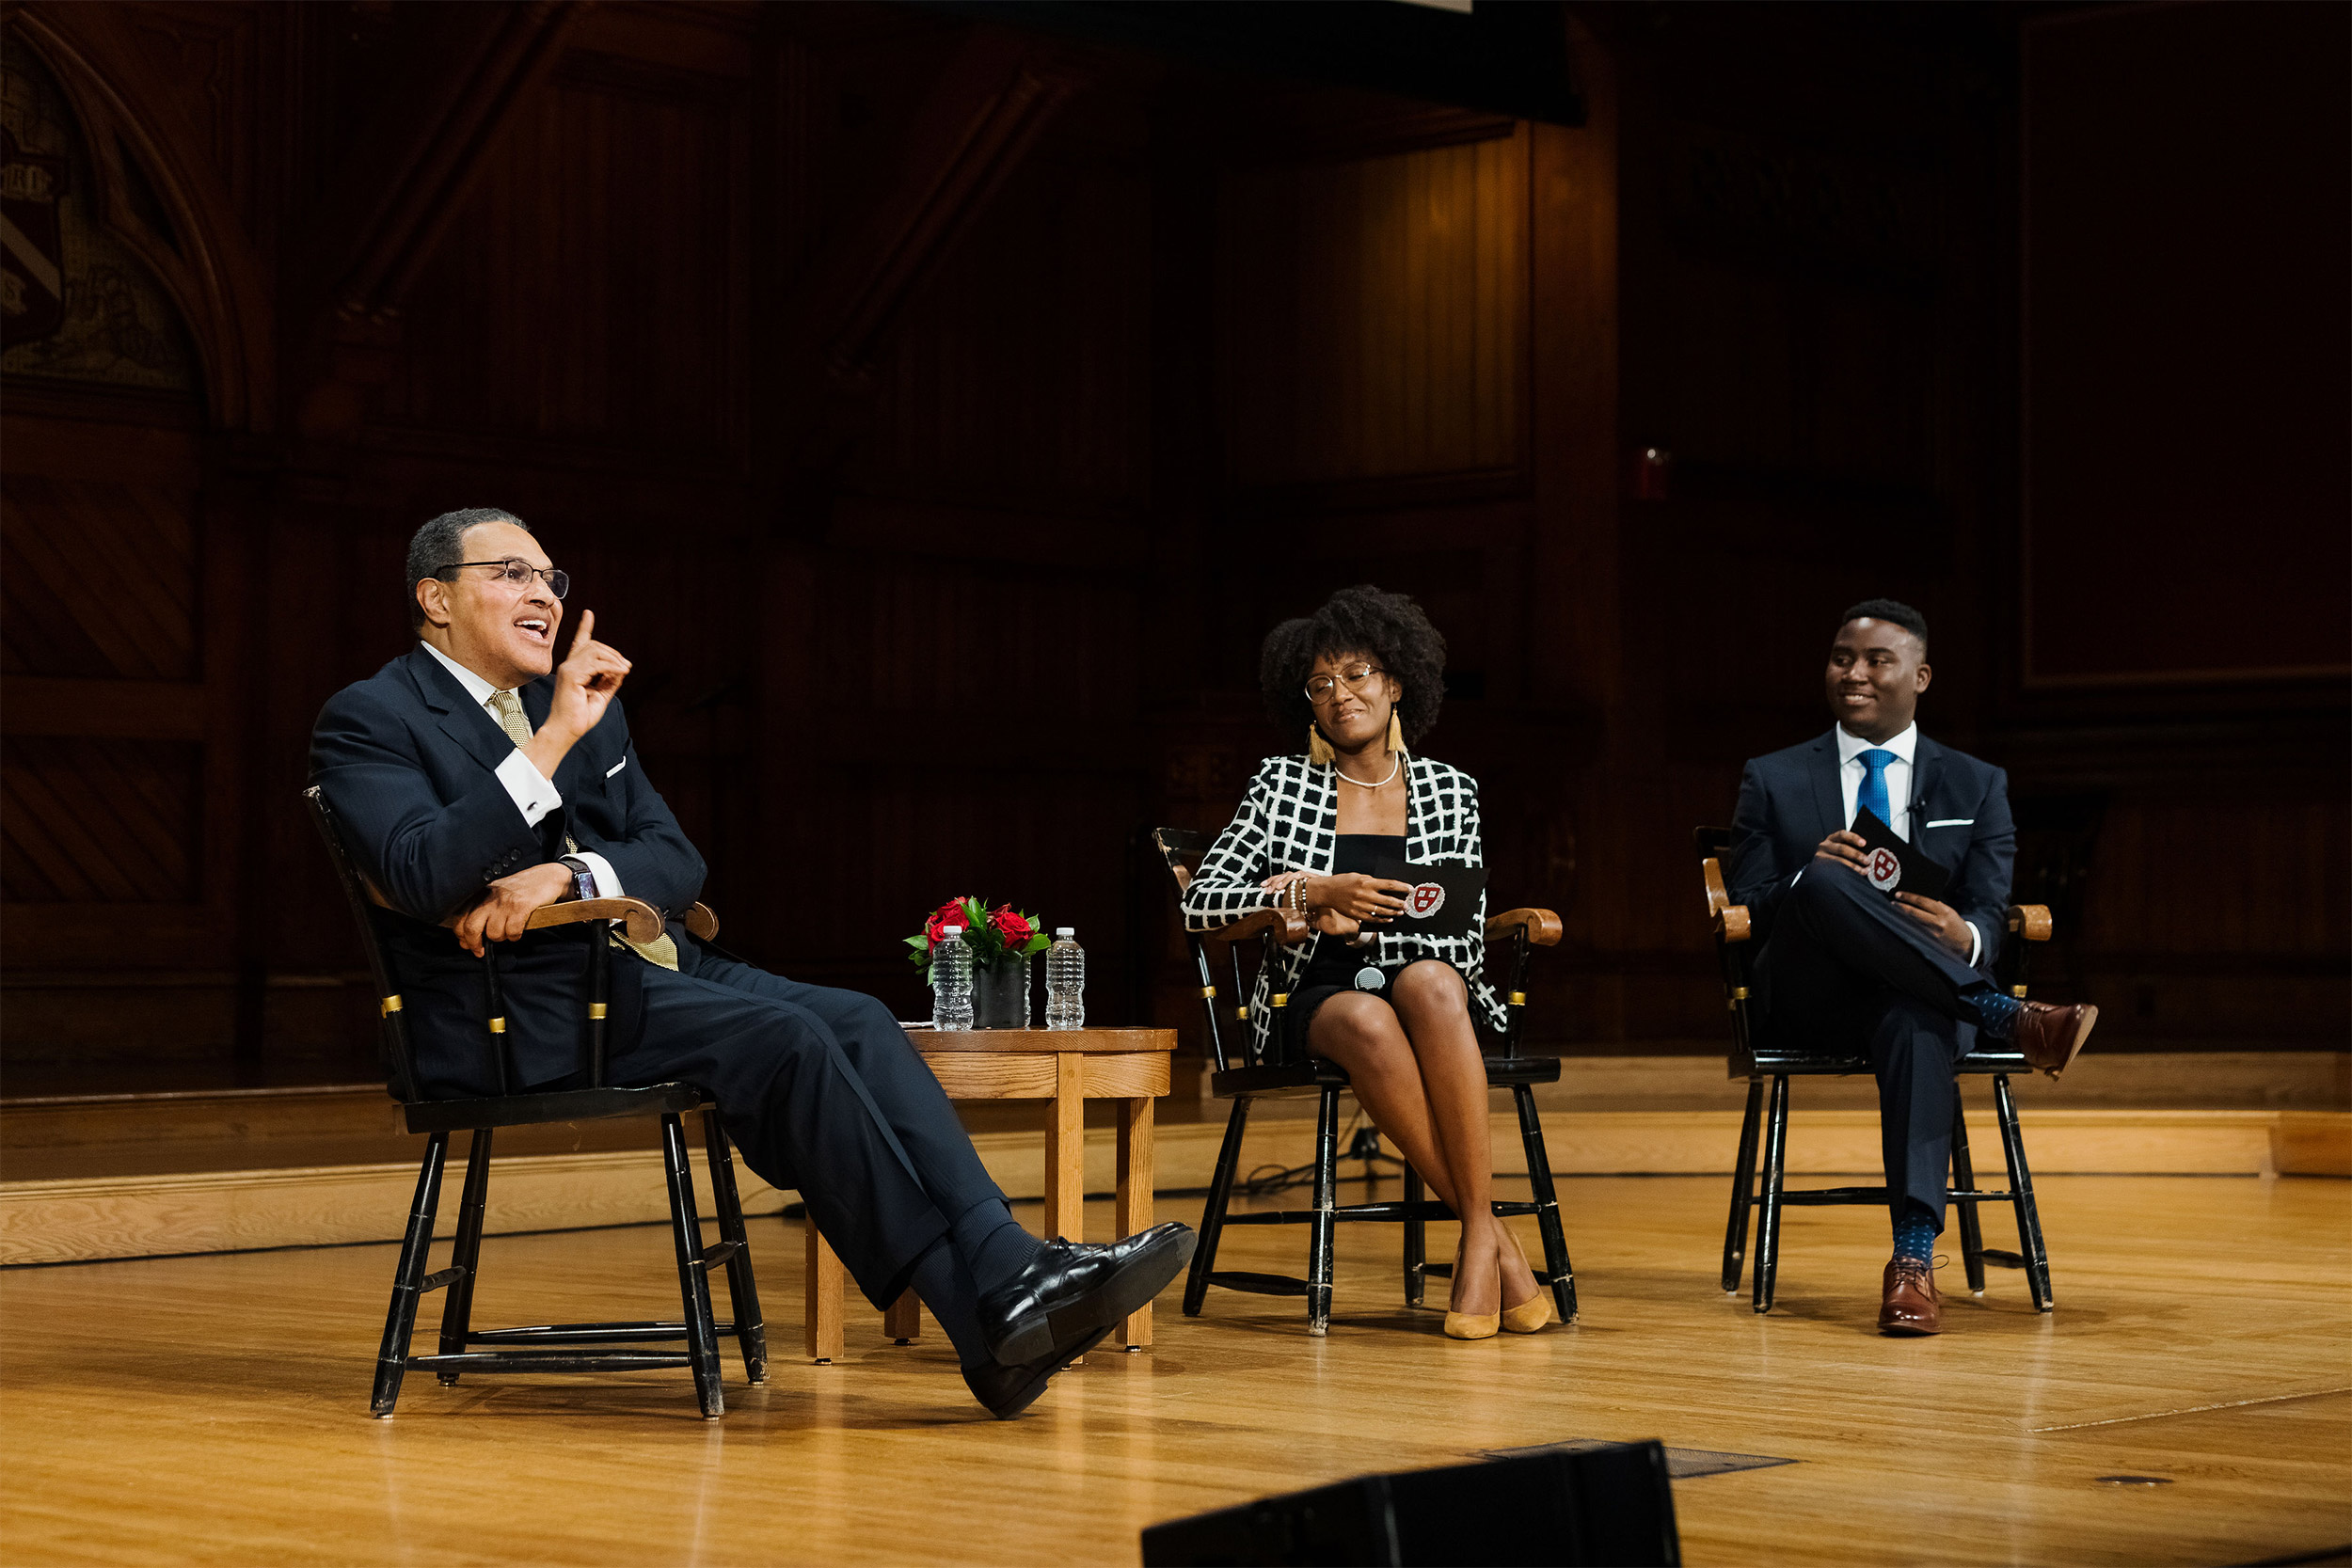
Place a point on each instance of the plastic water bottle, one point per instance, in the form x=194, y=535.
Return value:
x=1065, y=982
x=951, y=980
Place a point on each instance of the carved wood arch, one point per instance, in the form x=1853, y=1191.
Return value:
x=211, y=274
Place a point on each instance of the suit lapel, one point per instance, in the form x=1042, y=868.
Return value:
x=1828, y=799
x=471, y=726
x=1927, y=772
x=1927, y=768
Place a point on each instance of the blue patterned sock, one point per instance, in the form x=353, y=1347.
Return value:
x=1997, y=1011
x=1914, y=1233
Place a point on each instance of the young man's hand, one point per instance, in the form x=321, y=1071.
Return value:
x=1941, y=919
x=1845, y=847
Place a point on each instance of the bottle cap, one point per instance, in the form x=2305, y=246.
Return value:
x=947, y=932
x=1065, y=931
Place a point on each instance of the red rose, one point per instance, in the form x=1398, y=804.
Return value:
x=1015, y=931
x=951, y=913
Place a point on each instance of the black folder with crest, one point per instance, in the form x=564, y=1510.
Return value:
x=1444, y=900
x=1895, y=866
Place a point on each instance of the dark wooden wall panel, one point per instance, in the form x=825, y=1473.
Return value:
x=593, y=286
x=1375, y=314
x=1022, y=376
x=100, y=579
x=2174, y=425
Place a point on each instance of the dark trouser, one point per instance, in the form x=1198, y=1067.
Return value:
x=1845, y=969
x=821, y=1091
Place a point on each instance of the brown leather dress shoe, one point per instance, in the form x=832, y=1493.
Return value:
x=1910, y=1305
x=2051, y=1038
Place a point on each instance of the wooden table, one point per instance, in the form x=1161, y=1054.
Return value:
x=1065, y=1067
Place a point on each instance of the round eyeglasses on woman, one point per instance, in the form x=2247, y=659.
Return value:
x=516, y=574
x=1319, y=688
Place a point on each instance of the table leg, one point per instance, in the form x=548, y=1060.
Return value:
x=823, y=1278
x=1066, y=1150
x=1134, y=1200
x=904, y=1321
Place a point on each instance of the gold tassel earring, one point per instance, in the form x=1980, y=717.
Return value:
x=1318, y=750
x=1396, y=731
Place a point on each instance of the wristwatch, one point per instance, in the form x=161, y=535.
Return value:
x=584, y=879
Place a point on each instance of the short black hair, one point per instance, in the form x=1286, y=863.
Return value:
x=1895, y=610
x=439, y=544
x=1360, y=620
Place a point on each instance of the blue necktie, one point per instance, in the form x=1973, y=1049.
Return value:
x=1871, y=797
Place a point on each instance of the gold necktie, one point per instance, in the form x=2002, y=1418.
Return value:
x=508, y=708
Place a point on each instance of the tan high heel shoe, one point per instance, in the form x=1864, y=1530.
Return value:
x=1533, y=1315
x=1470, y=1326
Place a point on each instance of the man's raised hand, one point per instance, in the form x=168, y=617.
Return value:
x=588, y=679
x=585, y=684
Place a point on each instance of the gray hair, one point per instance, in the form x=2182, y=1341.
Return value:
x=441, y=544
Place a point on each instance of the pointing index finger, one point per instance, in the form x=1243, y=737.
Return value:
x=587, y=632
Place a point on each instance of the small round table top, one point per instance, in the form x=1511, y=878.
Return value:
x=1044, y=1041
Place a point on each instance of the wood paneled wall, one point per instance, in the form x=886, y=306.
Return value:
x=939, y=416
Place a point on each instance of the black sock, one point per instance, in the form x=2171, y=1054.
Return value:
x=1915, y=1232
x=947, y=1287
x=992, y=1243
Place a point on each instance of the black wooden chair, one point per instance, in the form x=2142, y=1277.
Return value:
x=1244, y=1077
x=1761, y=1056
x=598, y=1347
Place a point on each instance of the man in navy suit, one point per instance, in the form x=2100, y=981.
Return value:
x=1907, y=978
x=477, y=781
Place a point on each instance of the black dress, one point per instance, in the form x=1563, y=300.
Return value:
x=1336, y=966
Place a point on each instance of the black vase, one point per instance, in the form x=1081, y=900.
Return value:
x=1000, y=994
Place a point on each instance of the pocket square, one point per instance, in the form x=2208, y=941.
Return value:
x=1953, y=822
x=624, y=763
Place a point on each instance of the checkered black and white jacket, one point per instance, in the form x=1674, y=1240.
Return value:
x=1289, y=821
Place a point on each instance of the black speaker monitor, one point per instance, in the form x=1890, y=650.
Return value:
x=1603, y=1506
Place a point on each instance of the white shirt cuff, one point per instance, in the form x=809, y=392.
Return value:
x=1975, y=944
x=608, y=881
x=532, y=795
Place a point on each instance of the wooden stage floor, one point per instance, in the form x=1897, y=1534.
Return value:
x=213, y=1409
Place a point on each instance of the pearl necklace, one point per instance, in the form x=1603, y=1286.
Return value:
x=1361, y=785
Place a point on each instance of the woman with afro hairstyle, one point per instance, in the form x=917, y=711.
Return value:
x=1358, y=683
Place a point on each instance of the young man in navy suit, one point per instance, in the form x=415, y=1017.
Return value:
x=479, y=780
x=1908, y=979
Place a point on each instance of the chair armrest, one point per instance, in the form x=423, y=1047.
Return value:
x=2030, y=921
x=1542, y=925
x=701, y=923
x=644, y=920
x=1286, y=925
x=1730, y=920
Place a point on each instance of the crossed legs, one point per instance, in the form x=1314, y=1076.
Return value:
x=1414, y=1063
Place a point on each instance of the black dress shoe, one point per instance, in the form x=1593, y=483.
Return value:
x=1071, y=1288
x=1008, y=1390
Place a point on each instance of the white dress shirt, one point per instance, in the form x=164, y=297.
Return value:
x=533, y=794
x=1851, y=771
